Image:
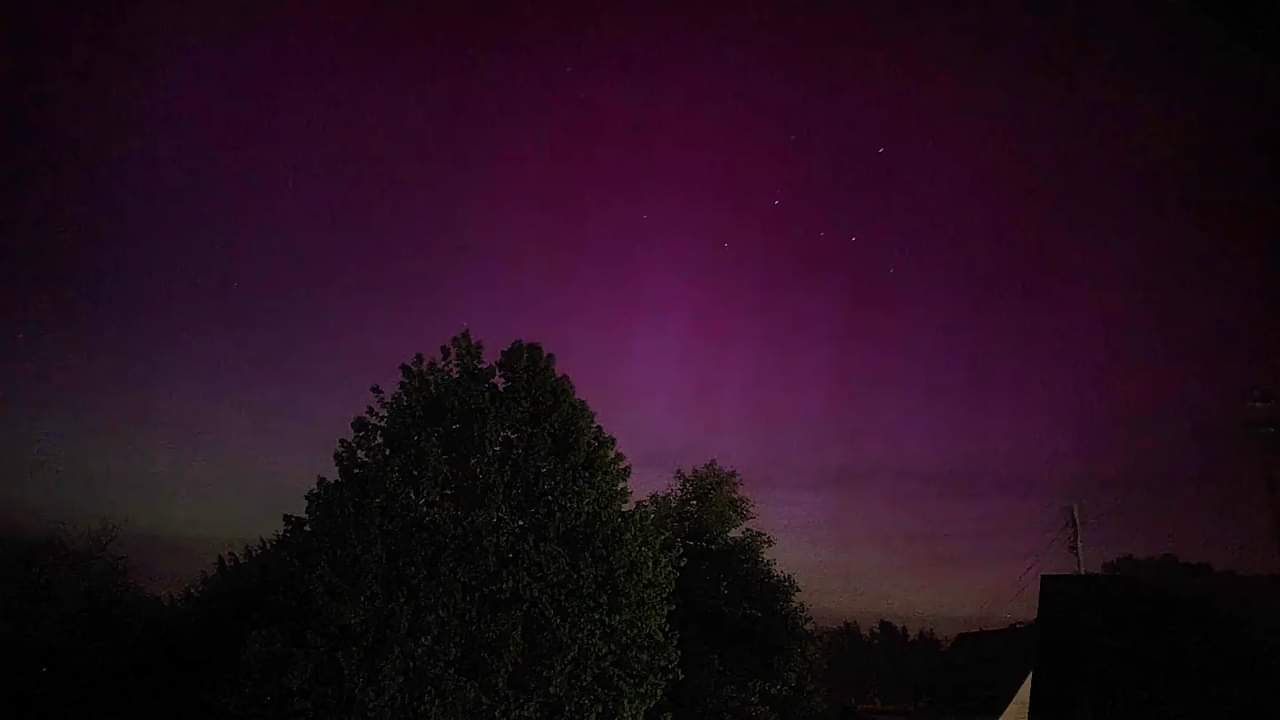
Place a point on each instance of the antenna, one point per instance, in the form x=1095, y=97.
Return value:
x=1076, y=547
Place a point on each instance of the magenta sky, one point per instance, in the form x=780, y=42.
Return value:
x=924, y=279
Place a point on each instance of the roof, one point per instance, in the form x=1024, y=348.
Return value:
x=983, y=670
x=1119, y=647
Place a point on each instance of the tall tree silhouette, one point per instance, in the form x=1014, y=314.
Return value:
x=746, y=644
x=473, y=558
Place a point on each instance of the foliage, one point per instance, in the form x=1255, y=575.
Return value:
x=746, y=643
x=886, y=665
x=76, y=634
x=846, y=665
x=1163, y=567
x=473, y=558
x=225, y=616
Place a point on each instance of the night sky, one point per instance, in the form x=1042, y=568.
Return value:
x=924, y=278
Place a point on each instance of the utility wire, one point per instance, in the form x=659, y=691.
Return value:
x=1019, y=586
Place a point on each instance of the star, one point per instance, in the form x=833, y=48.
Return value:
x=726, y=244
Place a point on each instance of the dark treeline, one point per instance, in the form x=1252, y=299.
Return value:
x=476, y=555
x=81, y=638
x=887, y=665
x=77, y=636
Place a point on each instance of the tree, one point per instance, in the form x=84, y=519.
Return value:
x=846, y=665
x=886, y=666
x=77, y=635
x=1165, y=568
x=260, y=600
x=890, y=647
x=473, y=558
x=924, y=661
x=747, y=647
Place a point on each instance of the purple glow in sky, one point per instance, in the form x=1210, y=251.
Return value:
x=924, y=278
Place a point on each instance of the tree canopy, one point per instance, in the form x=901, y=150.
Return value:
x=887, y=665
x=473, y=558
x=746, y=643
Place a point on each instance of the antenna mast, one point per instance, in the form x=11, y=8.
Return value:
x=1077, y=548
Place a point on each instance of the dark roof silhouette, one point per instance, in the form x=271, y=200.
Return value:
x=1111, y=646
